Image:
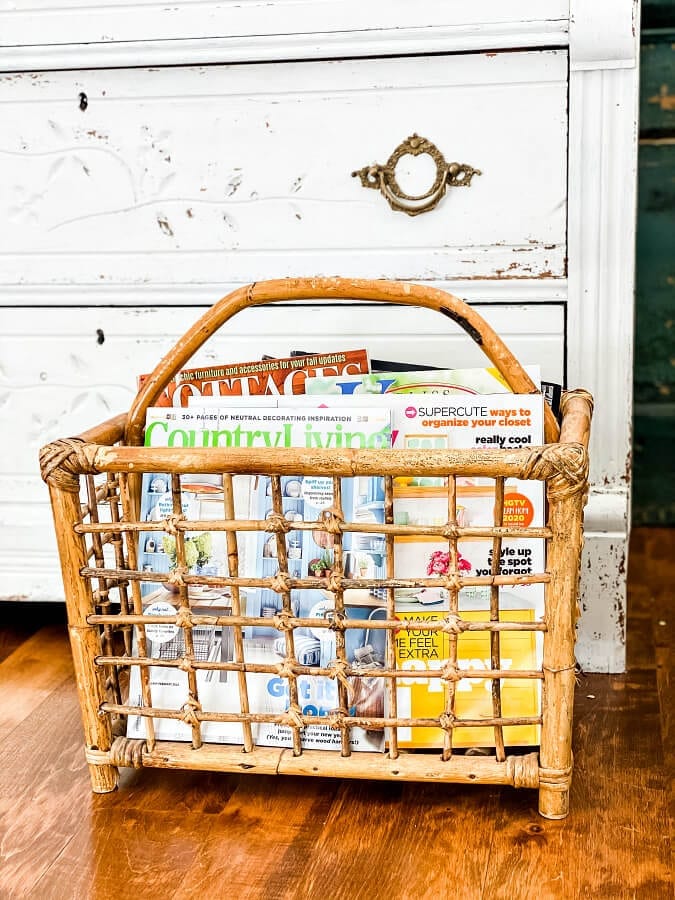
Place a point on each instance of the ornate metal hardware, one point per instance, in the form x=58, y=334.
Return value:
x=383, y=177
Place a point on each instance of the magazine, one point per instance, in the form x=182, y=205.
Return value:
x=436, y=381
x=266, y=376
x=484, y=421
x=303, y=498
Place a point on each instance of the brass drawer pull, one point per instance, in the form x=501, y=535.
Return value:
x=383, y=177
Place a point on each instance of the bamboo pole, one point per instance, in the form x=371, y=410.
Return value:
x=516, y=771
x=566, y=521
x=84, y=638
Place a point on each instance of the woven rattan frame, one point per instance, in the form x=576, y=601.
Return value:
x=102, y=469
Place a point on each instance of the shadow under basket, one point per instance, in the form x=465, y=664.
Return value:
x=95, y=486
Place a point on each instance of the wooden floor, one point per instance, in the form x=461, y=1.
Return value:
x=187, y=835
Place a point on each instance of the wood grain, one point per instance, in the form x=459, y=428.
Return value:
x=31, y=674
x=611, y=845
x=402, y=841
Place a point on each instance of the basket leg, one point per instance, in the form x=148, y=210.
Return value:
x=103, y=778
x=554, y=800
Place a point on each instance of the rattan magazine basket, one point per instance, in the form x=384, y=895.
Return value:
x=95, y=484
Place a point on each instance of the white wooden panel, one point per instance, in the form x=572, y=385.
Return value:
x=478, y=291
x=244, y=172
x=54, y=22
x=56, y=379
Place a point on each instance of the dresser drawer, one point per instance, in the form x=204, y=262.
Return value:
x=235, y=173
x=82, y=22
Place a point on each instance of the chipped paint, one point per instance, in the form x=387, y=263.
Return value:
x=164, y=225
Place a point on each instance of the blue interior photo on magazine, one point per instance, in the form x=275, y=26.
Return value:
x=310, y=556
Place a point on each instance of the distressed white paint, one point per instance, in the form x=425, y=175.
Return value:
x=603, y=34
x=602, y=209
x=79, y=34
x=506, y=291
x=69, y=381
x=245, y=171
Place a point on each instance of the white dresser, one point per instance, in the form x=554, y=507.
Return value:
x=156, y=156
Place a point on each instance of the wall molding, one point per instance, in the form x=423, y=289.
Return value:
x=604, y=34
x=257, y=48
x=206, y=294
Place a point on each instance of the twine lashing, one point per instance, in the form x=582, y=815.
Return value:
x=170, y=524
x=446, y=721
x=281, y=583
x=450, y=672
x=277, y=523
x=282, y=621
x=452, y=624
x=62, y=462
x=189, y=712
x=293, y=717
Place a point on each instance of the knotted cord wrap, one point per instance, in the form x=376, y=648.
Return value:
x=286, y=669
x=332, y=522
x=452, y=581
x=185, y=664
x=452, y=624
x=277, y=523
x=336, y=719
x=62, y=462
x=170, y=524
x=564, y=467
x=450, y=532
x=446, y=721
x=334, y=582
x=338, y=672
x=336, y=619
x=555, y=669
x=450, y=672
x=293, y=717
x=283, y=621
x=127, y=752
x=523, y=771
x=577, y=392
x=189, y=712
x=555, y=779
x=176, y=576
x=183, y=617
x=281, y=583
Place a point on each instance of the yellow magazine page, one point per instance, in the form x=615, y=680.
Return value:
x=420, y=697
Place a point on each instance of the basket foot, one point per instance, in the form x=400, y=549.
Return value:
x=103, y=778
x=554, y=801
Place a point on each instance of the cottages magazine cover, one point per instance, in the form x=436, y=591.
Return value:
x=263, y=376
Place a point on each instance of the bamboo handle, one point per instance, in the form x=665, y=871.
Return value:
x=577, y=411
x=328, y=290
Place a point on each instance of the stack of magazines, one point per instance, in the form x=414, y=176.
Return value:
x=334, y=401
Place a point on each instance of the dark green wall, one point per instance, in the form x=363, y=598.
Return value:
x=654, y=373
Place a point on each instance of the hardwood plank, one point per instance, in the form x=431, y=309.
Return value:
x=140, y=841
x=188, y=834
x=30, y=674
x=262, y=840
x=11, y=638
x=18, y=620
x=614, y=843
x=401, y=840
x=44, y=790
